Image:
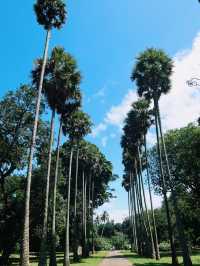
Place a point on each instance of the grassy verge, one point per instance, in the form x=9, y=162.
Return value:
x=164, y=261
x=93, y=260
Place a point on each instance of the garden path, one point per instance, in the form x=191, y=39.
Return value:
x=115, y=258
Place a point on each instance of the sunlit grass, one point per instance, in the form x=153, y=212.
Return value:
x=164, y=261
x=93, y=260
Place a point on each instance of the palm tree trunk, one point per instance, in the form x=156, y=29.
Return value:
x=153, y=255
x=43, y=247
x=170, y=231
x=151, y=202
x=76, y=181
x=85, y=218
x=132, y=216
x=75, y=242
x=139, y=195
x=186, y=254
x=131, y=213
x=53, y=229
x=67, y=251
x=24, y=260
x=135, y=218
x=140, y=222
x=92, y=213
x=84, y=215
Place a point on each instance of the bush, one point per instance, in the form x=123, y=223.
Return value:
x=120, y=242
x=103, y=244
x=164, y=246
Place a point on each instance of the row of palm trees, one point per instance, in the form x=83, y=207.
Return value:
x=151, y=74
x=50, y=14
x=57, y=78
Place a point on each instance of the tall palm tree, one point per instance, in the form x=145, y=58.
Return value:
x=76, y=127
x=152, y=75
x=50, y=14
x=61, y=81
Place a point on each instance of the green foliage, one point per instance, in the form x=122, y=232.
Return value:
x=50, y=13
x=164, y=246
x=152, y=73
x=103, y=244
x=61, y=85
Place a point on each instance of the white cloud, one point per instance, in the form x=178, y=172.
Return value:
x=98, y=129
x=117, y=113
x=182, y=104
x=116, y=214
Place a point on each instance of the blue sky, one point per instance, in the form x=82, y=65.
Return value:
x=105, y=37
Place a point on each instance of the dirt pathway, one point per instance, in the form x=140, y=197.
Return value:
x=115, y=258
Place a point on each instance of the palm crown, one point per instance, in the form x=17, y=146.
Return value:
x=61, y=81
x=50, y=13
x=152, y=73
x=77, y=125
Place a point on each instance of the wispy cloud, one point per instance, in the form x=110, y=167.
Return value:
x=98, y=129
x=104, y=141
x=118, y=113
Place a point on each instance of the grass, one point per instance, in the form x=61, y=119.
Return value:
x=164, y=261
x=93, y=260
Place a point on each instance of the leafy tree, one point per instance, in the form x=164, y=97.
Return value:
x=183, y=153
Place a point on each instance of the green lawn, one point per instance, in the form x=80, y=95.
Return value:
x=94, y=260
x=164, y=261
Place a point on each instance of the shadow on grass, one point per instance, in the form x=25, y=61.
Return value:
x=138, y=260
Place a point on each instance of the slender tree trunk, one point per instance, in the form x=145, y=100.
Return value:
x=76, y=181
x=85, y=223
x=170, y=231
x=92, y=214
x=133, y=215
x=141, y=227
x=53, y=229
x=186, y=254
x=84, y=215
x=75, y=242
x=135, y=218
x=139, y=195
x=67, y=251
x=153, y=255
x=151, y=202
x=24, y=261
x=129, y=213
x=43, y=247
